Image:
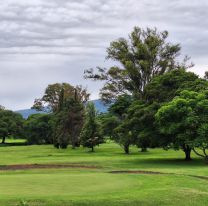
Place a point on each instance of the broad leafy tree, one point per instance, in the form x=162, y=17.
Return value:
x=11, y=125
x=66, y=103
x=38, y=129
x=201, y=142
x=182, y=122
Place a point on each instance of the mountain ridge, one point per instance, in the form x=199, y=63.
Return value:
x=99, y=105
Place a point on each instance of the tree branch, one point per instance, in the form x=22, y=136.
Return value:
x=198, y=153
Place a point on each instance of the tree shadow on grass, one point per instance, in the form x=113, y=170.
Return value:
x=169, y=162
x=13, y=144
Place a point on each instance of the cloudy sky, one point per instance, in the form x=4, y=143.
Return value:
x=48, y=41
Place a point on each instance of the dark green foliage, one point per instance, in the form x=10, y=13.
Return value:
x=123, y=136
x=68, y=123
x=120, y=107
x=11, y=125
x=138, y=117
x=141, y=118
x=38, y=129
x=165, y=87
x=118, y=127
x=183, y=122
x=66, y=103
x=91, y=135
x=108, y=123
x=143, y=56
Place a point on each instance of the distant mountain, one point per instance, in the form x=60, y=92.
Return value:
x=27, y=112
x=100, y=106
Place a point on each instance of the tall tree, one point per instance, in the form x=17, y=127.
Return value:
x=68, y=123
x=90, y=135
x=146, y=54
x=66, y=103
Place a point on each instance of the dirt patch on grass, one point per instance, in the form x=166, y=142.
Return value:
x=154, y=173
x=45, y=166
x=136, y=172
x=199, y=177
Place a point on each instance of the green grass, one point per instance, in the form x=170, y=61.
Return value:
x=90, y=187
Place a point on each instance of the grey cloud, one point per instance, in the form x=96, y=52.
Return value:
x=46, y=41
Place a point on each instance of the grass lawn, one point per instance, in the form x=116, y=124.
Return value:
x=178, y=184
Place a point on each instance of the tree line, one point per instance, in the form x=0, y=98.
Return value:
x=155, y=101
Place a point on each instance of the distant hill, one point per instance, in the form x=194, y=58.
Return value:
x=100, y=106
x=27, y=112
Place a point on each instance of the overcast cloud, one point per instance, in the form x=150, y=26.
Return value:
x=48, y=41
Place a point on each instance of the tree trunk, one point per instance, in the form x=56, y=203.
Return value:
x=126, y=149
x=56, y=145
x=75, y=141
x=92, y=149
x=3, y=140
x=144, y=149
x=187, y=151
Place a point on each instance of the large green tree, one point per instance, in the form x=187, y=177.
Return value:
x=65, y=102
x=146, y=54
x=139, y=115
x=11, y=124
x=183, y=122
x=38, y=129
x=90, y=135
x=68, y=123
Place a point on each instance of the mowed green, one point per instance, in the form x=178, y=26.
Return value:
x=180, y=182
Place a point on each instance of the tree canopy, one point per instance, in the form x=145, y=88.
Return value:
x=183, y=122
x=146, y=54
x=38, y=129
x=11, y=124
x=54, y=93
